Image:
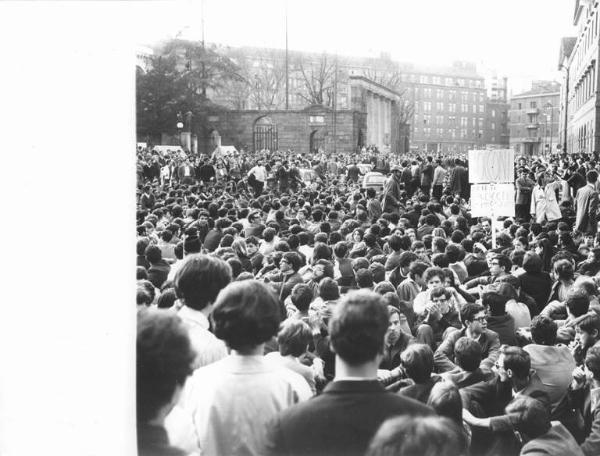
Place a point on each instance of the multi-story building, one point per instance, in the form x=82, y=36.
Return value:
x=534, y=118
x=449, y=107
x=439, y=110
x=566, y=48
x=581, y=110
x=496, y=132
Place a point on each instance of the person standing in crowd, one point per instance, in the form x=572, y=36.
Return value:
x=544, y=204
x=257, y=177
x=355, y=399
x=524, y=186
x=586, y=205
x=392, y=193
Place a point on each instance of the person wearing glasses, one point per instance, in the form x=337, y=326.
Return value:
x=474, y=323
x=439, y=318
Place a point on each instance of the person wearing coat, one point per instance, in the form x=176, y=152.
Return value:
x=524, y=187
x=392, y=192
x=586, y=205
x=544, y=204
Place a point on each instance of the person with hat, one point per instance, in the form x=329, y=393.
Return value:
x=524, y=186
x=392, y=191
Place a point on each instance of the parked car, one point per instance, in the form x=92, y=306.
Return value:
x=374, y=180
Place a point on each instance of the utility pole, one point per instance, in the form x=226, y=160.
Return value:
x=287, y=78
x=335, y=76
x=203, y=51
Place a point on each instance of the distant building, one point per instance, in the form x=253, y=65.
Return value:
x=441, y=109
x=580, y=126
x=534, y=118
x=449, y=107
x=496, y=131
x=566, y=48
x=372, y=115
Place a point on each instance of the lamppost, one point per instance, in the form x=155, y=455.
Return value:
x=179, y=126
x=549, y=105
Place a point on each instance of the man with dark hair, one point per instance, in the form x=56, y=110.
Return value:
x=553, y=363
x=417, y=361
x=498, y=319
x=355, y=399
x=474, y=323
x=197, y=284
x=531, y=419
x=162, y=340
x=410, y=287
x=514, y=378
x=586, y=397
x=467, y=356
x=159, y=268
x=284, y=280
x=586, y=205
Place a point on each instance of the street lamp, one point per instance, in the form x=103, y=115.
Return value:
x=179, y=125
x=549, y=105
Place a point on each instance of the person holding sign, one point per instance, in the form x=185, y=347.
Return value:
x=544, y=204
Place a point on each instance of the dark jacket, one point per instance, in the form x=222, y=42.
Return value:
x=420, y=391
x=504, y=326
x=158, y=273
x=341, y=421
x=490, y=349
x=538, y=286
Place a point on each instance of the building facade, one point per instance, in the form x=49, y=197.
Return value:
x=534, y=119
x=371, y=117
x=441, y=109
x=580, y=107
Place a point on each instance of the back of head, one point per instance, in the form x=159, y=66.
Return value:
x=445, y=399
x=293, y=337
x=417, y=359
x=364, y=278
x=358, y=326
x=578, y=302
x=246, y=315
x=543, y=330
x=419, y=436
x=200, y=279
x=529, y=416
x=496, y=302
x=162, y=340
x=467, y=353
x=517, y=360
x=301, y=296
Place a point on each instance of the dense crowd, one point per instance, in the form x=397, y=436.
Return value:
x=284, y=308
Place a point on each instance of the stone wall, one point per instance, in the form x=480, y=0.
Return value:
x=294, y=128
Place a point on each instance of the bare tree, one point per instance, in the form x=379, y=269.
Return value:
x=318, y=79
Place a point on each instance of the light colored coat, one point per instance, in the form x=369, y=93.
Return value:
x=544, y=205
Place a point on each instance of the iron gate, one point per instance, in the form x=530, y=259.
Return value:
x=265, y=137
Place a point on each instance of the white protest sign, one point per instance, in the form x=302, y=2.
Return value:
x=491, y=166
x=492, y=200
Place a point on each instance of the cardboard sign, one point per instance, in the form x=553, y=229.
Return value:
x=492, y=200
x=491, y=166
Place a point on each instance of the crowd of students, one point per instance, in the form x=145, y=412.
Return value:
x=331, y=319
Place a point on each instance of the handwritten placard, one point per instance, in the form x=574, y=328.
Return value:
x=489, y=200
x=491, y=166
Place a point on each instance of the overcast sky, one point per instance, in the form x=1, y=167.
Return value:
x=517, y=38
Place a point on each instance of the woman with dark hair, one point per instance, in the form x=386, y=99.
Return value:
x=543, y=247
x=231, y=401
x=535, y=282
x=565, y=277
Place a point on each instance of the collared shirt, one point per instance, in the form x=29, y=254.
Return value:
x=208, y=348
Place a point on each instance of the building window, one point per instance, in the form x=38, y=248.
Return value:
x=532, y=104
x=519, y=106
x=427, y=93
x=439, y=120
x=481, y=109
x=423, y=79
x=426, y=106
x=437, y=80
x=452, y=107
x=440, y=94
x=493, y=113
x=448, y=81
x=439, y=106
